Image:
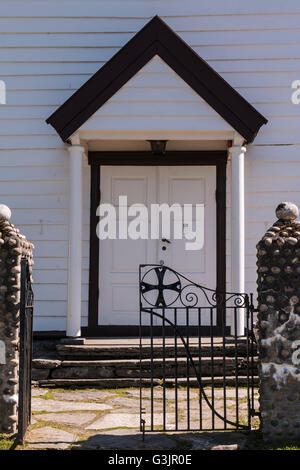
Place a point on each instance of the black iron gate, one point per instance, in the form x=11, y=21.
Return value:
x=193, y=376
x=26, y=320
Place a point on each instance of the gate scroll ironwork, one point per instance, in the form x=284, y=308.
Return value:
x=191, y=378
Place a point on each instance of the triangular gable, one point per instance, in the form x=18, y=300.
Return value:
x=156, y=99
x=157, y=38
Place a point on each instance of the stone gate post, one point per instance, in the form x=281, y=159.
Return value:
x=278, y=281
x=13, y=247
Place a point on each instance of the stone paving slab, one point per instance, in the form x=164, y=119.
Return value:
x=69, y=419
x=194, y=394
x=38, y=392
x=78, y=412
x=158, y=393
x=83, y=395
x=127, y=420
x=230, y=393
x=49, y=438
x=54, y=406
x=133, y=403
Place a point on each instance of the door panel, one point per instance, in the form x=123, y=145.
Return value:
x=119, y=259
x=192, y=185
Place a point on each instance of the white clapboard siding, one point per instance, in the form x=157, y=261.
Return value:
x=140, y=9
x=50, y=82
x=29, y=112
x=21, y=141
x=118, y=38
x=49, y=201
x=185, y=24
x=38, y=157
x=254, y=95
x=42, y=69
x=219, y=52
x=49, y=49
x=34, y=174
x=49, y=323
x=50, y=263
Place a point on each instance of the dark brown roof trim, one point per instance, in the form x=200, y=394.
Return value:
x=156, y=37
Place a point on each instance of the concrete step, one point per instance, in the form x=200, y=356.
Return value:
x=130, y=368
x=88, y=352
x=112, y=383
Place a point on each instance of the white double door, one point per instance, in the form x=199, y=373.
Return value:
x=120, y=258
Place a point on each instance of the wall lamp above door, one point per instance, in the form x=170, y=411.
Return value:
x=158, y=147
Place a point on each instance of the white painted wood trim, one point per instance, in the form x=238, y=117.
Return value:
x=210, y=135
x=237, y=153
x=75, y=242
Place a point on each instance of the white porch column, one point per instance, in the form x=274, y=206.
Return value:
x=238, y=231
x=75, y=242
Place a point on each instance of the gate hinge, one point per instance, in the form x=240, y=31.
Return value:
x=251, y=309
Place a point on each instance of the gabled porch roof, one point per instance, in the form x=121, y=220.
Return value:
x=157, y=38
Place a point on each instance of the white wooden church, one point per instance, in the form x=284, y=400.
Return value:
x=163, y=101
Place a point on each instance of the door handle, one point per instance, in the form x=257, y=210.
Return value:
x=165, y=240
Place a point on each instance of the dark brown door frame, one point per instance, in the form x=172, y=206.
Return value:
x=178, y=158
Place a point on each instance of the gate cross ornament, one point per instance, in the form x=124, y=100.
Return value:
x=161, y=287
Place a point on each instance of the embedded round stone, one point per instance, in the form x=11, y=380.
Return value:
x=292, y=240
x=263, y=269
x=275, y=270
x=287, y=211
x=263, y=308
x=294, y=299
x=283, y=300
x=5, y=212
x=262, y=252
x=280, y=241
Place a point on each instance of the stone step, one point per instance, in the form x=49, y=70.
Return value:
x=112, y=383
x=87, y=351
x=130, y=368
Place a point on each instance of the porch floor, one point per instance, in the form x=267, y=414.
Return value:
x=135, y=341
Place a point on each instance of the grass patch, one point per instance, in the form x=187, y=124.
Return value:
x=255, y=442
x=50, y=424
x=47, y=396
x=6, y=442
